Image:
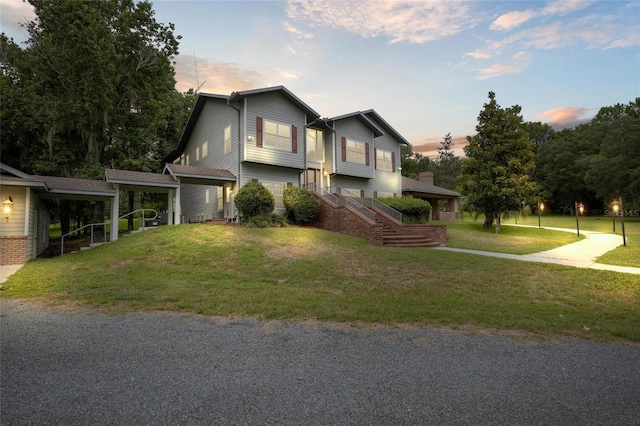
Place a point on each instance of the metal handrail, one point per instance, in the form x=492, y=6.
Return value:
x=389, y=211
x=104, y=224
x=92, y=225
x=355, y=202
x=314, y=187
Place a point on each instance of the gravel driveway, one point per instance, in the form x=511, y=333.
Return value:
x=70, y=368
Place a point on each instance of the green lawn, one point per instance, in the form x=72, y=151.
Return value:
x=520, y=240
x=299, y=273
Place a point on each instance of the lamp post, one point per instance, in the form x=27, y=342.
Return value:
x=624, y=236
x=579, y=207
x=540, y=209
x=616, y=207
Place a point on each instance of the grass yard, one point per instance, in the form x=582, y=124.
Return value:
x=469, y=234
x=300, y=273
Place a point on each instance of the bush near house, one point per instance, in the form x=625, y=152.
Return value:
x=414, y=210
x=302, y=206
x=267, y=221
x=254, y=199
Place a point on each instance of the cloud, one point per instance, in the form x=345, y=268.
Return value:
x=511, y=20
x=429, y=146
x=411, y=21
x=563, y=118
x=562, y=7
x=287, y=74
x=520, y=61
x=215, y=77
x=12, y=14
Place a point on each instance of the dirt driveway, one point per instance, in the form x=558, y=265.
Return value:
x=70, y=368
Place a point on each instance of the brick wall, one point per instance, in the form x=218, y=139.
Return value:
x=13, y=250
x=435, y=232
x=346, y=221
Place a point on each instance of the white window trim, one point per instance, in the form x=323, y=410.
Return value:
x=355, y=152
x=381, y=163
x=278, y=137
x=205, y=149
x=278, y=197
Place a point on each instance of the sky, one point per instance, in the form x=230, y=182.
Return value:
x=425, y=66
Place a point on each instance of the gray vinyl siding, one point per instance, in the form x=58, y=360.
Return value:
x=216, y=115
x=329, y=152
x=387, y=181
x=352, y=128
x=265, y=173
x=194, y=205
x=273, y=107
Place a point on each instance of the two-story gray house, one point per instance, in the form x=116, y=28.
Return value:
x=271, y=136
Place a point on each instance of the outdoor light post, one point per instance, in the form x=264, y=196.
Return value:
x=540, y=208
x=624, y=237
x=580, y=208
x=616, y=207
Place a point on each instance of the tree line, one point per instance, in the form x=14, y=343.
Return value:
x=512, y=165
x=92, y=88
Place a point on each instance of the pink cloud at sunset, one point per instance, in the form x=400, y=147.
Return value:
x=563, y=118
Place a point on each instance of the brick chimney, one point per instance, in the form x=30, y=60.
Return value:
x=426, y=177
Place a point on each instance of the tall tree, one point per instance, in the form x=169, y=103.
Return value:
x=413, y=163
x=500, y=161
x=448, y=165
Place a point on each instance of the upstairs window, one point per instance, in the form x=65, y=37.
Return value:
x=355, y=151
x=276, y=135
x=205, y=149
x=227, y=139
x=385, y=160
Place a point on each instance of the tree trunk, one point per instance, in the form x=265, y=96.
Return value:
x=488, y=221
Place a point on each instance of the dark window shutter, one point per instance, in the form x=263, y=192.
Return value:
x=289, y=185
x=362, y=193
x=254, y=180
x=366, y=150
x=344, y=149
x=394, y=195
x=375, y=194
x=375, y=158
x=294, y=139
x=393, y=162
x=259, y=132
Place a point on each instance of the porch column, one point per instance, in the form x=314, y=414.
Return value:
x=172, y=194
x=453, y=205
x=178, y=206
x=115, y=213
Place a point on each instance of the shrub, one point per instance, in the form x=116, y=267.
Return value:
x=254, y=199
x=302, y=206
x=259, y=221
x=267, y=221
x=414, y=210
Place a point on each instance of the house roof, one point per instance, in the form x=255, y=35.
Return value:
x=286, y=93
x=377, y=119
x=416, y=186
x=364, y=120
x=191, y=123
x=58, y=187
x=199, y=175
x=15, y=177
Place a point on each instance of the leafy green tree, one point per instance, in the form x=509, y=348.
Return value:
x=500, y=161
x=413, y=163
x=539, y=133
x=448, y=166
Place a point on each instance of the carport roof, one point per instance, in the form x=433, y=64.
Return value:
x=199, y=175
x=59, y=187
x=139, y=178
x=416, y=186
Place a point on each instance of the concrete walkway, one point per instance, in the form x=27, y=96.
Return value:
x=581, y=254
x=7, y=270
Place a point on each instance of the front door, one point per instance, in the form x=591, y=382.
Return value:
x=315, y=157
